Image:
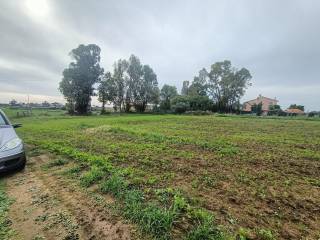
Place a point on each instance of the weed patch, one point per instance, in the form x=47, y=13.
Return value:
x=5, y=231
x=92, y=176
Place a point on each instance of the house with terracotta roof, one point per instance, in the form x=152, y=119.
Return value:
x=294, y=111
x=265, y=102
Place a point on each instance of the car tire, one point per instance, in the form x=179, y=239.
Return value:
x=23, y=165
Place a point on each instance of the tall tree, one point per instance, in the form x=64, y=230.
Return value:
x=166, y=95
x=135, y=82
x=226, y=84
x=257, y=109
x=79, y=78
x=66, y=88
x=105, y=90
x=146, y=89
x=199, y=84
x=119, y=84
x=185, y=88
x=131, y=84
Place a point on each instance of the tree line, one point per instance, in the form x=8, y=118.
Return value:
x=132, y=85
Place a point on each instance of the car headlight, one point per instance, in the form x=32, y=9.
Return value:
x=13, y=143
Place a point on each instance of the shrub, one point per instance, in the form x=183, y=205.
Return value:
x=198, y=113
x=180, y=107
x=181, y=104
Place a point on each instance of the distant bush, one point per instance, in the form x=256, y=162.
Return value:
x=198, y=113
x=182, y=104
x=180, y=107
x=314, y=114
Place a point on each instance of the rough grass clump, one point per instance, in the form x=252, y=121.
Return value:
x=73, y=171
x=265, y=234
x=157, y=221
x=205, y=232
x=92, y=176
x=115, y=185
x=133, y=204
x=150, y=217
x=205, y=229
x=57, y=162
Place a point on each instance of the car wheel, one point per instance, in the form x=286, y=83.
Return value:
x=23, y=165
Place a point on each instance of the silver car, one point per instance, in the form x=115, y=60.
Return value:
x=12, y=153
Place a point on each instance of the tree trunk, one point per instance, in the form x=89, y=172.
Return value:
x=103, y=110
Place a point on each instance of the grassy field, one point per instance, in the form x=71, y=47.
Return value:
x=195, y=177
x=15, y=113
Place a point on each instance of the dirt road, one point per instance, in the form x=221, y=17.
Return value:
x=48, y=205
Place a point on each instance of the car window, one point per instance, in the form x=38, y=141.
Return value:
x=2, y=120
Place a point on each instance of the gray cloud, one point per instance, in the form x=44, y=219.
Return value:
x=278, y=41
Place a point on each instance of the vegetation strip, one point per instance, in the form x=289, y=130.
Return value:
x=150, y=216
x=222, y=147
x=5, y=231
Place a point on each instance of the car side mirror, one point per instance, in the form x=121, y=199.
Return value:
x=16, y=125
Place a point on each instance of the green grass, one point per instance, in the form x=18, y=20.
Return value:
x=115, y=185
x=57, y=162
x=20, y=113
x=92, y=176
x=5, y=231
x=170, y=174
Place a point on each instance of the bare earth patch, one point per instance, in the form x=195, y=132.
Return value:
x=47, y=206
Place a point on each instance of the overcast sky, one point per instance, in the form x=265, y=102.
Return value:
x=278, y=41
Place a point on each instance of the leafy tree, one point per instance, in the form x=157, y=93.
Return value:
x=131, y=84
x=274, y=107
x=134, y=83
x=119, y=85
x=197, y=89
x=313, y=114
x=192, y=103
x=79, y=78
x=185, y=88
x=199, y=84
x=274, y=110
x=145, y=89
x=257, y=109
x=66, y=88
x=166, y=95
x=105, y=91
x=226, y=85
x=45, y=104
x=180, y=107
x=295, y=106
x=13, y=102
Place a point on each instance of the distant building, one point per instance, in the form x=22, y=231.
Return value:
x=294, y=111
x=266, y=104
